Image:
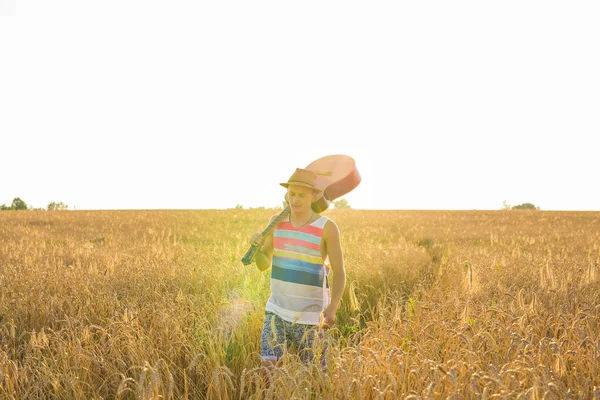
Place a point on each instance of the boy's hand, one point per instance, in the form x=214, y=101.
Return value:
x=257, y=240
x=328, y=317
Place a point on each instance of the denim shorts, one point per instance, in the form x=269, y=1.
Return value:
x=279, y=335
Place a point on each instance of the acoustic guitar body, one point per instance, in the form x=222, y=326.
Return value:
x=337, y=175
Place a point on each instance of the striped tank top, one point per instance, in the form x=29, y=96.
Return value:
x=299, y=288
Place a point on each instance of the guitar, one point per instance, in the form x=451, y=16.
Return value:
x=336, y=176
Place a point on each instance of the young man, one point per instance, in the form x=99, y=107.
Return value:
x=300, y=303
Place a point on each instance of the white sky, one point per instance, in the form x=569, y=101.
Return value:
x=188, y=104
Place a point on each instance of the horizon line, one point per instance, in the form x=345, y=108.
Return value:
x=330, y=209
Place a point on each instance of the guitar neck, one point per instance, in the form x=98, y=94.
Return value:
x=249, y=256
x=282, y=215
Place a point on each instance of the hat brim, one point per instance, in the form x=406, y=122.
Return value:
x=286, y=184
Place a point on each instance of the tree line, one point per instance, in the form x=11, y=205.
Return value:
x=19, y=204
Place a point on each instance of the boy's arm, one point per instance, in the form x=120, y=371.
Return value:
x=331, y=235
x=264, y=255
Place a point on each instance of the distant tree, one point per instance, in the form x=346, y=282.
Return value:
x=525, y=206
x=18, y=204
x=239, y=207
x=4, y=207
x=505, y=205
x=341, y=203
x=57, y=206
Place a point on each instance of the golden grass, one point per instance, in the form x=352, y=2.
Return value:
x=156, y=304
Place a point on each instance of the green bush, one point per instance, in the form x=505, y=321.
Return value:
x=525, y=206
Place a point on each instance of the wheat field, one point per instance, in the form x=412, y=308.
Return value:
x=439, y=304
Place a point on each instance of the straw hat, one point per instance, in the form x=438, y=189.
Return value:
x=302, y=177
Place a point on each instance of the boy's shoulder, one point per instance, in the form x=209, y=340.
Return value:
x=330, y=224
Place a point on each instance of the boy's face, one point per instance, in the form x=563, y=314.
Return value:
x=300, y=198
